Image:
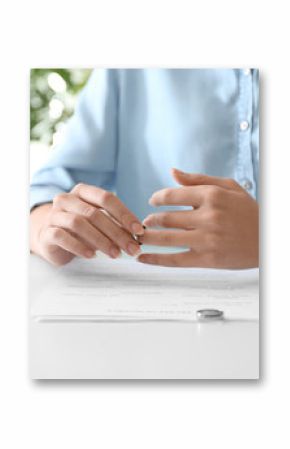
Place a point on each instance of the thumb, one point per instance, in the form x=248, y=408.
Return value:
x=188, y=179
x=195, y=179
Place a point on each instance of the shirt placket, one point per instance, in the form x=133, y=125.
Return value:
x=245, y=172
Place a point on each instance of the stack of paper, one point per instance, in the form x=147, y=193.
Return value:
x=125, y=289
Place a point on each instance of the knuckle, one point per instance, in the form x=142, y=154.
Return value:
x=59, y=199
x=213, y=194
x=75, y=222
x=105, y=197
x=56, y=234
x=90, y=212
x=77, y=188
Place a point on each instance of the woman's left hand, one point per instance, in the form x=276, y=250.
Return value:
x=220, y=231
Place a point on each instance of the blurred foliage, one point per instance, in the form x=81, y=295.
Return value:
x=52, y=99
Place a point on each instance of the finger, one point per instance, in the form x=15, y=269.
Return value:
x=189, y=179
x=85, y=231
x=72, y=203
x=99, y=220
x=112, y=204
x=115, y=233
x=183, y=259
x=186, y=219
x=182, y=196
x=166, y=238
x=57, y=237
x=76, y=236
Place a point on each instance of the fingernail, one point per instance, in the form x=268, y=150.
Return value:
x=180, y=172
x=133, y=250
x=90, y=253
x=114, y=252
x=147, y=221
x=137, y=229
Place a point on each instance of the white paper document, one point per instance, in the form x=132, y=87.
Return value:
x=125, y=289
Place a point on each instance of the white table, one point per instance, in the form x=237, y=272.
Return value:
x=139, y=350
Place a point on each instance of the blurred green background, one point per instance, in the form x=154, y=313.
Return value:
x=53, y=94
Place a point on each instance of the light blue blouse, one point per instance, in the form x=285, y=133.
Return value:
x=132, y=125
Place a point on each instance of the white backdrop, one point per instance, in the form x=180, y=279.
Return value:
x=131, y=33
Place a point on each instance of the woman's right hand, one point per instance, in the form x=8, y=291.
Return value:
x=81, y=222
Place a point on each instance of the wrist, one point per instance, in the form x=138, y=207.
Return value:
x=38, y=218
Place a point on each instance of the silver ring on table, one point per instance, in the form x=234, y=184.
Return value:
x=209, y=315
